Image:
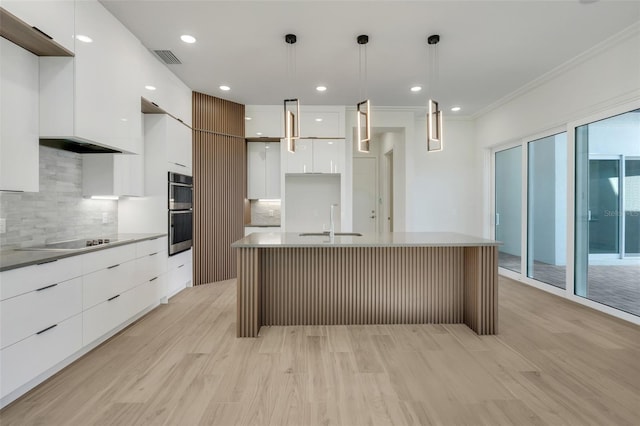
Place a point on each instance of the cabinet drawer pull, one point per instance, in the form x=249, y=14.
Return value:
x=155, y=104
x=178, y=164
x=47, y=329
x=180, y=266
x=47, y=261
x=114, y=297
x=153, y=254
x=113, y=266
x=153, y=279
x=154, y=238
x=46, y=287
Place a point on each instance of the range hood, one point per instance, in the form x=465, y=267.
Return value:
x=79, y=146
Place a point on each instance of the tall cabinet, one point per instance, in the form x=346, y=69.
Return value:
x=263, y=170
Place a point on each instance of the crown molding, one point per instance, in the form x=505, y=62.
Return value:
x=623, y=35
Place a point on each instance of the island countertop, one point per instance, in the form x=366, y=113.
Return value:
x=394, y=239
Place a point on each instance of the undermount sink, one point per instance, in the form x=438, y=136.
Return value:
x=326, y=234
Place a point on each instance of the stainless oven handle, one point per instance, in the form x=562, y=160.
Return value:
x=181, y=184
x=180, y=211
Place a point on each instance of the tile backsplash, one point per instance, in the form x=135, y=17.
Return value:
x=58, y=212
x=265, y=212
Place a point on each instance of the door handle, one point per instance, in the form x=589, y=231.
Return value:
x=497, y=219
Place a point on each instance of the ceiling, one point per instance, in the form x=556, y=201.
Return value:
x=487, y=50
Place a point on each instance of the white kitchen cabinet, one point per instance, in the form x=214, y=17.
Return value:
x=113, y=174
x=95, y=96
x=178, y=147
x=25, y=360
x=264, y=121
x=300, y=161
x=328, y=156
x=55, y=18
x=100, y=285
x=179, y=272
x=316, y=156
x=15, y=282
x=101, y=259
x=19, y=155
x=263, y=170
x=162, y=87
x=322, y=122
x=27, y=314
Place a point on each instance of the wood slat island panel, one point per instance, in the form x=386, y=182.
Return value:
x=338, y=285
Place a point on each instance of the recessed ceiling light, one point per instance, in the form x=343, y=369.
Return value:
x=225, y=88
x=456, y=109
x=259, y=133
x=318, y=119
x=84, y=38
x=416, y=88
x=321, y=88
x=150, y=87
x=247, y=118
x=188, y=38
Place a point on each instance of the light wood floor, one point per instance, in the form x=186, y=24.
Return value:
x=553, y=362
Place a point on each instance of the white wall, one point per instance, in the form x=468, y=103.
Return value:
x=445, y=187
x=605, y=77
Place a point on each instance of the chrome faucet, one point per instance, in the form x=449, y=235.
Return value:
x=332, y=229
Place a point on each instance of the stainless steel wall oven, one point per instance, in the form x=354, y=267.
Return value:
x=180, y=213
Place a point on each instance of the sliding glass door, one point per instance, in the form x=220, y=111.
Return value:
x=547, y=210
x=607, y=215
x=508, y=207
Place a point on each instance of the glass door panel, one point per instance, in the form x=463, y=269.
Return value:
x=604, y=203
x=632, y=207
x=508, y=199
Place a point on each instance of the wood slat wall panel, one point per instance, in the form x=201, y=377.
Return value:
x=316, y=286
x=481, y=289
x=219, y=186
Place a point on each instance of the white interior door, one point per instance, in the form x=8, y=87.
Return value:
x=365, y=194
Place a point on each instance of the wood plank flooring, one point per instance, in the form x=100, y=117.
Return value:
x=553, y=362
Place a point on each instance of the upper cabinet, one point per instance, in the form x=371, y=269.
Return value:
x=54, y=18
x=179, y=149
x=167, y=146
x=94, y=97
x=315, y=121
x=120, y=175
x=263, y=170
x=322, y=121
x=316, y=156
x=264, y=121
x=19, y=167
x=163, y=88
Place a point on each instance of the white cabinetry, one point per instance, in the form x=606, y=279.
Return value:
x=95, y=96
x=55, y=18
x=263, y=170
x=316, y=156
x=19, y=167
x=113, y=174
x=322, y=122
x=264, y=121
x=179, y=272
x=178, y=145
x=52, y=312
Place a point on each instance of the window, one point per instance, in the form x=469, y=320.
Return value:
x=508, y=201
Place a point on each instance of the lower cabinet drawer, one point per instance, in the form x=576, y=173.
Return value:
x=25, y=315
x=179, y=278
x=23, y=280
x=150, y=266
x=147, y=247
x=25, y=360
x=104, y=317
x=105, y=283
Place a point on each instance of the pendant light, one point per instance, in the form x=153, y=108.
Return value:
x=434, y=114
x=291, y=106
x=363, y=109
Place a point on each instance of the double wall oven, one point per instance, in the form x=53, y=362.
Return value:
x=180, y=213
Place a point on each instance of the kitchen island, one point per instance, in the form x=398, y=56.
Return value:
x=393, y=278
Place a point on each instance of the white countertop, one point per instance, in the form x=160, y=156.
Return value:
x=395, y=239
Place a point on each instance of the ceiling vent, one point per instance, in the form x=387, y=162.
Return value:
x=167, y=57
